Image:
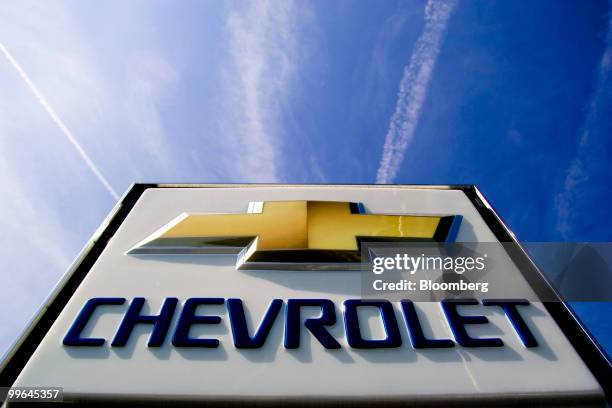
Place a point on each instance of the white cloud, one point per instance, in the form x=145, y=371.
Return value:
x=35, y=246
x=576, y=175
x=149, y=80
x=113, y=86
x=413, y=89
x=262, y=48
x=577, y=172
x=51, y=200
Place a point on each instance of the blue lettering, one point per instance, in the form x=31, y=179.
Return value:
x=240, y=331
x=353, y=332
x=133, y=317
x=458, y=322
x=73, y=337
x=417, y=337
x=316, y=326
x=188, y=318
x=517, y=321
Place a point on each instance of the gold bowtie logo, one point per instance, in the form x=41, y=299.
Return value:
x=295, y=235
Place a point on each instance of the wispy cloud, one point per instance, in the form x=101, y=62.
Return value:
x=577, y=172
x=59, y=123
x=27, y=274
x=101, y=91
x=262, y=49
x=413, y=88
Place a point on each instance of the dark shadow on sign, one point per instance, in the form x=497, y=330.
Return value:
x=203, y=354
x=440, y=354
x=543, y=349
x=139, y=338
x=194, y=259
x=347, y=283
x=402, y=354
x=458, y=353
x=467, y=231
x=207, y=331
x=342, y=282
x=89, y=353
x=274, y=342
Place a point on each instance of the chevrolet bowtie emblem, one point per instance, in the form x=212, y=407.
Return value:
x=294, y=235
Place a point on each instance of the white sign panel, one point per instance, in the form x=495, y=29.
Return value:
x=192, y=300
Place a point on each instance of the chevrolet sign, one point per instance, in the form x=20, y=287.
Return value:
x=253, y=294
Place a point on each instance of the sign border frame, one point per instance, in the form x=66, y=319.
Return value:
x=583, y=342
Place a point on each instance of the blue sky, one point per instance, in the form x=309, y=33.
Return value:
x=515, y=97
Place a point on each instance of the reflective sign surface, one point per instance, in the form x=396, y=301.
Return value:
x=189, y=325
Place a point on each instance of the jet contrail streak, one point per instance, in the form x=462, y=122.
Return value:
x=39, y=96
x=413, y=89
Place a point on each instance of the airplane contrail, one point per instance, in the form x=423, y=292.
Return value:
x=62, y=127
x=413, y=88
